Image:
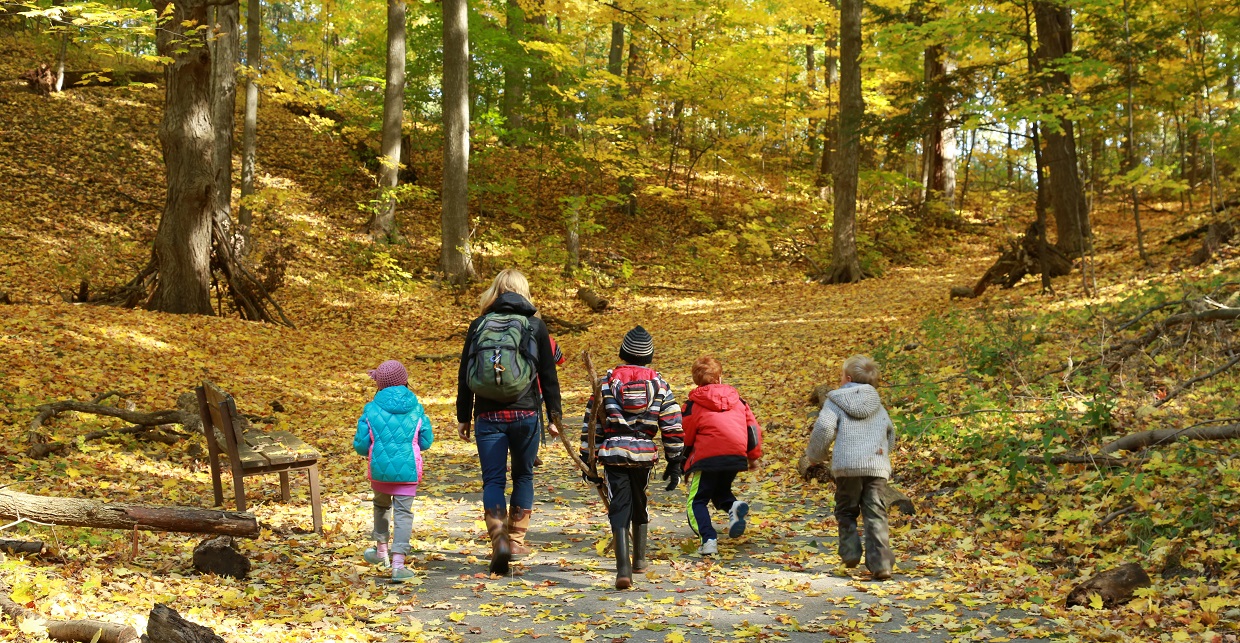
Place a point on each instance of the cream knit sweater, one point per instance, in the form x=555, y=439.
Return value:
x=854, y=419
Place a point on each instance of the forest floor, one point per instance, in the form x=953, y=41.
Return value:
x=83, y=188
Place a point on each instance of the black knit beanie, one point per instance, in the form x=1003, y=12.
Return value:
x=637, y=347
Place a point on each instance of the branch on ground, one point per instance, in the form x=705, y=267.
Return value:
x=149, y=426
x=72, y=630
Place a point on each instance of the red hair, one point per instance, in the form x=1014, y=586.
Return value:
x=706, y=370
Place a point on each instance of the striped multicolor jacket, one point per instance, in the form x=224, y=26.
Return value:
x=637, y=404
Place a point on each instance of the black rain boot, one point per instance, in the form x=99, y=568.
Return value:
x=624, y=565
x=639, y=549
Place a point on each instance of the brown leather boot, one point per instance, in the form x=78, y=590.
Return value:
x=518, y=525
x=501, y=547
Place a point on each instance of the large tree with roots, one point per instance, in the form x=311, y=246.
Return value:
x=193, y=250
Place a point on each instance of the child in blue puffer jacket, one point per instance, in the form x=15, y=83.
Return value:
x=392, y=433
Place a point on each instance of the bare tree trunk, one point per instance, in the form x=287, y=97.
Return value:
x=383, y=223
x=830, y=124
x=811, y=81
x=1067, y=199
x=182, y=249
x=615, y=53
x=1130, y=141
x=225, y=51
x=454, y=255
x=514, y=71
x=938, y=173
x=249, y=136
x=845, y=267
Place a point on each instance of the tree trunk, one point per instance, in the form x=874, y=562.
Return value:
x=226, y=48
x=182, y=249
x=633, y=74
x=615, y=53
x=514, y=71
x=811, y=82
x=1067, y=199
x=938, y=174
x=1130, y=140
x=383, y=223
x=249, y=136
x=830, y=124
x=81, y=512
x=454, y=254
x=845, y=267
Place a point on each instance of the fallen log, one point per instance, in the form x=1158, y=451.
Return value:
x=446, y=357
x=1137, y=441
x=1114, y=586
x=597, y=304
x=164, y=625
x=83, y=630
x=21, y=546
x=81, y=512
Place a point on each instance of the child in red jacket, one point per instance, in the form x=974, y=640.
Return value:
x=722, y=438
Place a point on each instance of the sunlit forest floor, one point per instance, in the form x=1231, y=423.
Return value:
x=990, y=554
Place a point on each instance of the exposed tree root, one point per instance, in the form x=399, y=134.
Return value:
x=1021, y=258
x=233, y=284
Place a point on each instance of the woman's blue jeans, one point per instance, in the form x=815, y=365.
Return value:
x=496, y=440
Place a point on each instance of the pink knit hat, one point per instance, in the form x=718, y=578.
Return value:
x=390, y=373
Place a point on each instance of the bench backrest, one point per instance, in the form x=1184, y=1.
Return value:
x=218, y=411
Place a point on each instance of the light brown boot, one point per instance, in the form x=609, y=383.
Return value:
x=518, y=525
x=501, y=547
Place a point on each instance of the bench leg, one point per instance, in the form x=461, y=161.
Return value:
x=216, y=484
x=316, y=507
x=239, y=489
x=284, y=491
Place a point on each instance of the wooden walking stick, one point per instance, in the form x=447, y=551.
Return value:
x=596, y=415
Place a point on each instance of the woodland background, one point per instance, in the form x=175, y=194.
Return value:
x=781, y=184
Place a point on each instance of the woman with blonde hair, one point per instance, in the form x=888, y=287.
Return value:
x=507, y=371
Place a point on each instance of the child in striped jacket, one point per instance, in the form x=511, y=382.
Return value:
x=638, y=404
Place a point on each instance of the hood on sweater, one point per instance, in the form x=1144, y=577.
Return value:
x=715, y=397
x=860, y=401
x=632, y=373
x=511, y=302
x=397, y=400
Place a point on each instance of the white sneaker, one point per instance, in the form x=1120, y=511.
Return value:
x=708, y=548
x=736, y=519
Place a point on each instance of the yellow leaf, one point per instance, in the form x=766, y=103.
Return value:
x=601, y=546
x=674, y=637
x=32, y=626
x=1095, y=600
x=456, y=617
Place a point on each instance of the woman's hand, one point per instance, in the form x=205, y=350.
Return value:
x=553, y=430
x=463, y=429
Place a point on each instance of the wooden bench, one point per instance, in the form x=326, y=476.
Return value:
x=252, y=452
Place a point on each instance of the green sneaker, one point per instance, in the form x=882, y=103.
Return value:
x=371, y=555
x=402, y=574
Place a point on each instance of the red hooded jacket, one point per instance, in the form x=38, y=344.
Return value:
x=721, y=433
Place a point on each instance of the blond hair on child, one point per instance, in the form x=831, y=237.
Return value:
x=861, y=369
x=508, y=280
x=706, y=370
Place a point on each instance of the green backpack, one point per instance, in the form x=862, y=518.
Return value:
x=502, y=361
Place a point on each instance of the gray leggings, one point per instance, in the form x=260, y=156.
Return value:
x=402, y=508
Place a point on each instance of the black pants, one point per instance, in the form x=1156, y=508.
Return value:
x=626, y=493
x=862, y=496
x=708, y=487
